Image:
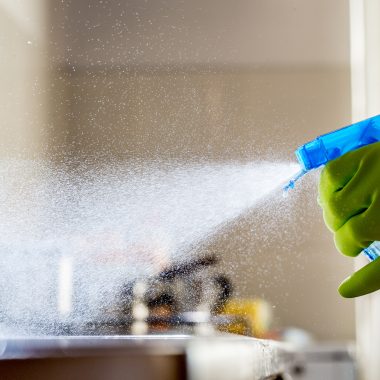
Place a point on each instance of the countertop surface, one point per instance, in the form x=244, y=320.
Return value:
x=221, y=356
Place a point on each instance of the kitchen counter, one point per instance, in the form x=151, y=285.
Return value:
x=143, y=357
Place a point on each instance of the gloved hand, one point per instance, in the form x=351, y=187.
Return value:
x=349, y=193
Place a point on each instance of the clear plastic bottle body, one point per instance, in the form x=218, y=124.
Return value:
x=373, y=251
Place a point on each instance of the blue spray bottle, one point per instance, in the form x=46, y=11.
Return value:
x=333, y=145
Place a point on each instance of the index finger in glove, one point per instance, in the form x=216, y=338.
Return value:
x=365, y=280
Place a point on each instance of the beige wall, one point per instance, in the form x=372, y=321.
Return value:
x=216, y=32
x=237, y=114
x=24, y=79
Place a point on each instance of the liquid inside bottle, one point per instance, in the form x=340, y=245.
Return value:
x=373, y=251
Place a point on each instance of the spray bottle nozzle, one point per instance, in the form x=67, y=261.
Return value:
x=334, y=144
x=291, y=184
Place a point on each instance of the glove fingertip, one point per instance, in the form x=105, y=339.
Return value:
x=345, y=289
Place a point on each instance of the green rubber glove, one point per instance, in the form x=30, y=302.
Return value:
x=349, y=194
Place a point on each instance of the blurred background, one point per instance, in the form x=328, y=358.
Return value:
x=179, y=80
x=213, y=81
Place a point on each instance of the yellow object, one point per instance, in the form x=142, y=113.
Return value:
x=252, y=316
